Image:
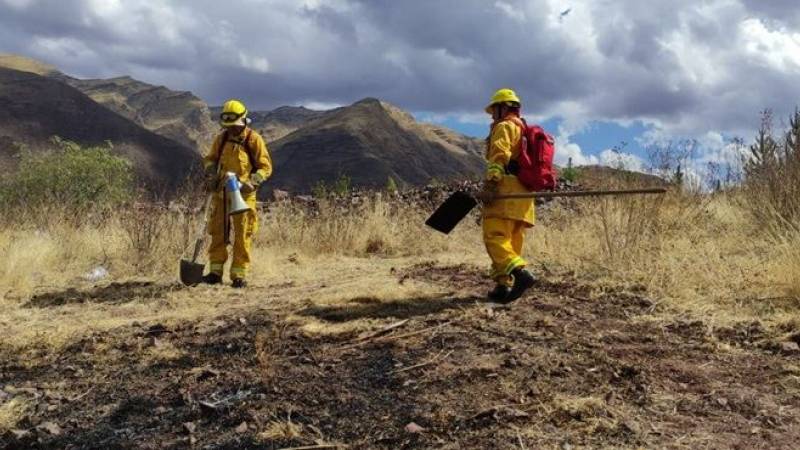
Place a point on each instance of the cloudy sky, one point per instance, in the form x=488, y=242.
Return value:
x=595, y=72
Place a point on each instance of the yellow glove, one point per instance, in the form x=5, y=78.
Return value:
x=256, y=179
x=494, y=172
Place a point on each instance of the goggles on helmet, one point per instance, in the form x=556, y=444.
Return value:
x=230, y=117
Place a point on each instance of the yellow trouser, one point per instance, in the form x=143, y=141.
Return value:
x=503, y=239
x=244, y=225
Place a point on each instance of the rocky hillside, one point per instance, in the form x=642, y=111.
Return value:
x=279, y=122
x=24, y=64
x=33, y=108
x=370, y=142
x=177, y=115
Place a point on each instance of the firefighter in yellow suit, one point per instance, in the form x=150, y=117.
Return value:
x=505, y=221
x=242, y=151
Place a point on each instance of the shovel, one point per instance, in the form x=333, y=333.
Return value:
x=458, y=205
x=191, y=271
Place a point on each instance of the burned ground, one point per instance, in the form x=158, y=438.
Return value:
x=568, y=366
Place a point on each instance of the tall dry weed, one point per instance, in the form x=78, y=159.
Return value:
x=772, y=178
x=373, y=227
x=694, y=252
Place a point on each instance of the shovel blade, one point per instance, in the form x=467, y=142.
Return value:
x=191, y=272
x=451, y=212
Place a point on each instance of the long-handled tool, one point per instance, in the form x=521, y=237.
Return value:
x=458, y=205
x=191, y=271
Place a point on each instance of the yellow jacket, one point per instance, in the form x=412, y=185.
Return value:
x=504, y=145
x=235, y=158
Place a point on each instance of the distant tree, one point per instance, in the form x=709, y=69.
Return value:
x=772, y=175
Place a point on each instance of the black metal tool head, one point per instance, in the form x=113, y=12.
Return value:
x=191, y=272
x=451, y=212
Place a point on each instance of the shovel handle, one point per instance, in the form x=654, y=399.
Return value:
x=582, y=193
x=198, y=244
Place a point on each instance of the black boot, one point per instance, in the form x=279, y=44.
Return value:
x=212, y=278
x=239, y=283
x=499, y=293
x=523, y=280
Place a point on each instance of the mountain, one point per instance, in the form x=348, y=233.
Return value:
x=23, y=64
x=370, y=142
x=177, y=115
x=33, y=108
x=275, y=124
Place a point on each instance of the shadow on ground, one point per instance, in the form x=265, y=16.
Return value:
x=114, y=293
x=373, y=308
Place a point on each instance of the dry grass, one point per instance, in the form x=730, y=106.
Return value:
x=12, y=412
x=161, y=352
x=281, y=430
x=589, y=414
x=696, y=255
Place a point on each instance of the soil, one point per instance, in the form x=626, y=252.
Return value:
x=568, y=366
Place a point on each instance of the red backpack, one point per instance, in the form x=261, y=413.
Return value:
x=534, y=166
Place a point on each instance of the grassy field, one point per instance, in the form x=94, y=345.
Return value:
x=332, y=278
x=698, y=254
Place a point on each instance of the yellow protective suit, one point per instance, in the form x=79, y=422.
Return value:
x=505, y=221
x=234, y=157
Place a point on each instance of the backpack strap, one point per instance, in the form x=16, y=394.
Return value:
x=245, y=143
x=512, y=168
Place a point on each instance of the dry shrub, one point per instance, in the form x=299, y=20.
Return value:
x=696, y=252
x=772, y=177
x=280, y=430
x=787, y=263
x=157, y=235
x=369, y=228
x=148, y=239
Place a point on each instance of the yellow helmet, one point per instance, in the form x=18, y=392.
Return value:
x=504, y=95
x=233, y=113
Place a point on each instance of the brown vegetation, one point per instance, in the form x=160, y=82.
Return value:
x=659, y=322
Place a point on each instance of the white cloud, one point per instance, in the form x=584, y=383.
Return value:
x=18, y=4
x=682, y=67
x=778, y=48
x=622, y=160
x=509, y=10
x=567, y=151
x=254, y=63
x=317, y=106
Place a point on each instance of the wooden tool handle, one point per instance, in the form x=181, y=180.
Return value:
x=201, y=232
x=582, y=193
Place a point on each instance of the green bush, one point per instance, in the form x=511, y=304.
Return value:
x=338, y=188
x=391, y=185
x=71, y=177
x=570, y=174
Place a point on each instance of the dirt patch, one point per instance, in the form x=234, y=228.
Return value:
x=564, y=367
x=365, y=308
x=113, y=293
